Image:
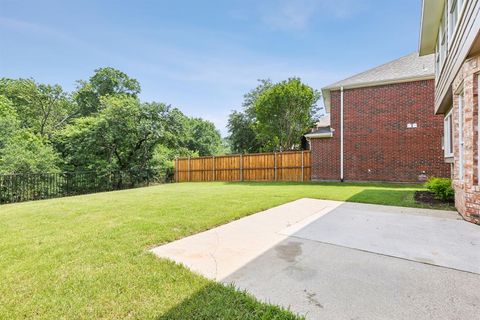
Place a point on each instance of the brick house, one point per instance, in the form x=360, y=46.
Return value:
x=451, y=30
x=380, y=126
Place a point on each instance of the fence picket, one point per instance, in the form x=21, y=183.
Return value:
x=274, y=166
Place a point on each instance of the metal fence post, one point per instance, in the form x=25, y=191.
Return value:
x=188, y=169
x=302, y=166
x=241, y=167
x=213, y=168
x=275, y=165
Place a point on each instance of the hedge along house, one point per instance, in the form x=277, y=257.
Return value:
x=380, y=126
x=451, y=30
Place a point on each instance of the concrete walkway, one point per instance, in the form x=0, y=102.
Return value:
x=335, y=260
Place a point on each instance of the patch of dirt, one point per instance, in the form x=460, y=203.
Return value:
x=428, y=197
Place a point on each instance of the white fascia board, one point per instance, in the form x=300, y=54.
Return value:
x=319, y=135
x=431, y=16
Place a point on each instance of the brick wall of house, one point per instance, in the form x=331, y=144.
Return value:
x=467, y=188
x=378, y=146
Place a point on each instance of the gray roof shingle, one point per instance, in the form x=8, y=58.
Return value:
x=411, y=66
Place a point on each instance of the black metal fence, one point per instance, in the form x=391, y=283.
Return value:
x=36, y=186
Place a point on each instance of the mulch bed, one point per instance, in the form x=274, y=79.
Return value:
x=428, y=197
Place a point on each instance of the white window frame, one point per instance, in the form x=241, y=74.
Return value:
x=461, y=142
x=448, y=132
x=455, y=12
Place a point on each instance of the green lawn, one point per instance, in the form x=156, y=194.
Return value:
x=86, y=257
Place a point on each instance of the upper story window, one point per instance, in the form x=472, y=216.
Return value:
x=441, y=49
x=454, y=9
x=446, y=31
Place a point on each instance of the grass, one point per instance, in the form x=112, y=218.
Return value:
x=86, y=257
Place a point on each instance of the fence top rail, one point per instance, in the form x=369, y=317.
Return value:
x=71, y=172
x=244, y=154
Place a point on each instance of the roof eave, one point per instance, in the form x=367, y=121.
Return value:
x=319, y=135
x=431, y=16
x=379, y=83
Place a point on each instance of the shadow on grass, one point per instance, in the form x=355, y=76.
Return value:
x=216, y=301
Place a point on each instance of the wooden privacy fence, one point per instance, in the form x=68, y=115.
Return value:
x=275, y=166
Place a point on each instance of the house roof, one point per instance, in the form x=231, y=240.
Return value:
x=322, y=128
x=411, y=67
x=324, y=121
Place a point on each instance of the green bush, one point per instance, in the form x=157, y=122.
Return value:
x=442, y=187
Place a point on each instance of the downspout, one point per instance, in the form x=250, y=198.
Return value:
x=341, y=134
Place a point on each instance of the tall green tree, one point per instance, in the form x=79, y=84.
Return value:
x=242, y=137
x=122, y=136
x=284, y=113
x=22, y=151
x=105, y=82
x=42, y=108
x=203, y=137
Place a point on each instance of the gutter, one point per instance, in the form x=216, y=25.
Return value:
x=319, y=135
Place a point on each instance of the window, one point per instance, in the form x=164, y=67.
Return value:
x=448, y=135
x=455, y=8
x=461, y=125
x=441, y=50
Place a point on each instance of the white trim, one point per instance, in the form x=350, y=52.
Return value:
x=447, y=136
x=319, y=135
x=380, y=83
x=478, y=130
x=341, y=134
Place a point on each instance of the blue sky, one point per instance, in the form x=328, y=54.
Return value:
x=202, y=56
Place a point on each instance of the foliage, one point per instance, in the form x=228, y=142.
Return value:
x=40, y=107
x=442, y=187
x=105, y=82
x=9, y=122
x=243, y=138
x=275, y=117
x=284, y=113
x=102, y=126
x=122, y=136
x=20, y=149
x=203, y=137
x=26, y=152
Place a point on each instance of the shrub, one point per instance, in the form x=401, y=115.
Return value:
x=442, y=187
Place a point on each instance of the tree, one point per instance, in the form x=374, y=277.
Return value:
x=9, y=122
x=203, y=137
x=26, y=152
x=40, y=107
x=105, y=82
x=21, y=151
x=242, y=136
x=122, y=136
x=284, y=113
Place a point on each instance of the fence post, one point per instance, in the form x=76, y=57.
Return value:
x=213, y=168
x=188, y=168
x=302, y=166
x=275, y=165
x=241, y=167
x=176, y=169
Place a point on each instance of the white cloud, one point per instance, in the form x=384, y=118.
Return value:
x=298, y=14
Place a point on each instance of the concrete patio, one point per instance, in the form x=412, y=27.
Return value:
x=336, y=260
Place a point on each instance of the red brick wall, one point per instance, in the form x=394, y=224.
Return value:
x=378, y=146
